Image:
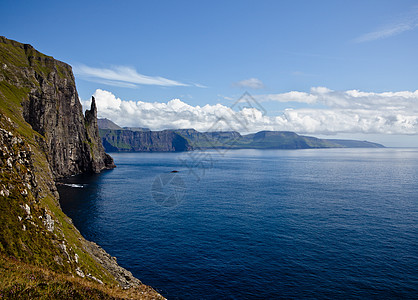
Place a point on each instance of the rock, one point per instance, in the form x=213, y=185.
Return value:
x=9, y=162
x=48, y=223
x=26, y=208
x=63, y=248
x=4, y=193
x=79, y=272
x=94, y=278
x=100, y=159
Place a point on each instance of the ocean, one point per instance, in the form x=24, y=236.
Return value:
x=258, y=224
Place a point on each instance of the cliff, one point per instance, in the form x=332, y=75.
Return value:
x=283, y=140
x=265, y=140
x=45, y=136
x=50, y=104
x=117, y=139
x=126, y=140
x=355, y=144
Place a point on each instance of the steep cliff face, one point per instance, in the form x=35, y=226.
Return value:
x=51, y=106
x=44, y=136
x=143, y=141
x=99, y=159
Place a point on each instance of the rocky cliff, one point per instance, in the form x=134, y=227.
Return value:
x=44, y=136
x=126, y=140
x=265, y=140
x=51, y=106
x=99, y=159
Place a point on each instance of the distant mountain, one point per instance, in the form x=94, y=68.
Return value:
x=282, y=140
x=355, y=144
x=265, y=140
x=259, y=140
x=139, y=139
x=107, y=124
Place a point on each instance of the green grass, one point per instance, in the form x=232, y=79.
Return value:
x=12, y=55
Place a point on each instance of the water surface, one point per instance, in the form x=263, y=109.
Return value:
x=246, y=224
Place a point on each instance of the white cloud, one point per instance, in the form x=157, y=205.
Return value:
x=252, y=83
x=122, y=76
x=350, y=111
x=292, y=96
x=353, y=99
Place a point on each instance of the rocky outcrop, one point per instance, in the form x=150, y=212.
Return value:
x=99, y=159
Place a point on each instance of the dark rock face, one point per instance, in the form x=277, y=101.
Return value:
x=99, y=159
x=143, y=141
x=52, y=107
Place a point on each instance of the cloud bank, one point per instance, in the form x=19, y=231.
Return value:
x=122, y=76
x=349, y=111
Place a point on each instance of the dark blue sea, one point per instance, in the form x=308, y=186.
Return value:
x=258, y=224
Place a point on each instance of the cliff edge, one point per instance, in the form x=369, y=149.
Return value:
x=44, y=136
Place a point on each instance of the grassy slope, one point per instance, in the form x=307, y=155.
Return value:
x=26, y=281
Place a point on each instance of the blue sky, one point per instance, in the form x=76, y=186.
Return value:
x=301, y=60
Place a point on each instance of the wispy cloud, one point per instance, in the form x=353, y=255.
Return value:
x=385, y=33
x=407, y=23
x=252, y=83
x=200, y=85
x=122, y=76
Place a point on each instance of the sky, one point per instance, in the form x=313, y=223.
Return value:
x=332, y=69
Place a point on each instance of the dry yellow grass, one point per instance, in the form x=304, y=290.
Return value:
x=20, y=280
